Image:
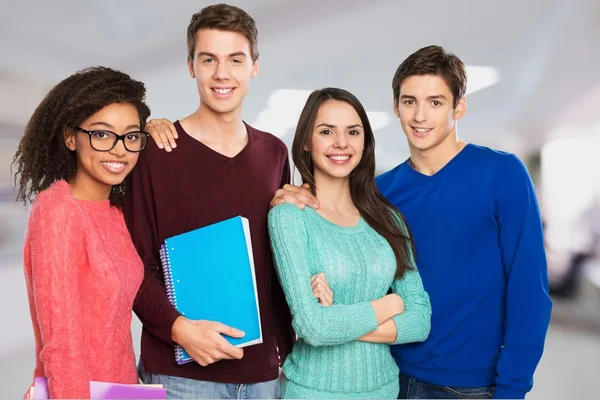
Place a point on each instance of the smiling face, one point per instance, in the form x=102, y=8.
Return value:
x=337, y=141
x=426, y=112
x=99, y=171
x=222, y=67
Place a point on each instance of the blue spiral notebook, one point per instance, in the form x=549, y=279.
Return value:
x=209, y=275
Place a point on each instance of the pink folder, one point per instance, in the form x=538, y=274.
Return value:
x=40, y=389
x=106, y=390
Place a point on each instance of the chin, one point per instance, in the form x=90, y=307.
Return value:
x=112, y=180
x=115, y=182
x=422, y=146
x=224, y=107
x=223, y=110
x=339, y=174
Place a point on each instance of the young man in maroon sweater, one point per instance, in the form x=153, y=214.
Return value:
x=222, y=168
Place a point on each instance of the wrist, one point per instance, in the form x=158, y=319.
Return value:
x=400, y=304
x=178, y=329
x=395, y=303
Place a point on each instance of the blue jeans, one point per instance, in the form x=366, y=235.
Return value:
x=411, y=388
x=183, y=388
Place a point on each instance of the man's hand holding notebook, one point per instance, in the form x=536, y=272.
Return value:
x=210, y=279
x=203, y=342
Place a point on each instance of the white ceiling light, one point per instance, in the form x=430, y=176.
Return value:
x=481, y=77
x=285, y=105
x=379, y=119
x=282, y=111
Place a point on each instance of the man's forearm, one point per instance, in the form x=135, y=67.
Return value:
x=154, y=309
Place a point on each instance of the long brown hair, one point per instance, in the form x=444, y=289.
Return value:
x=377, y=211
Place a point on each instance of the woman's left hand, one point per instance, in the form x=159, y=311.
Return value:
x=321, y=289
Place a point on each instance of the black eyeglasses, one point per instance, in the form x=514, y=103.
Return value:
x=107, y=140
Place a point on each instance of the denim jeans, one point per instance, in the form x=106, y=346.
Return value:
x=411, y=388
x=183, y=388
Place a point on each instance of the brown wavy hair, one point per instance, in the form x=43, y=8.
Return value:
x=42, y=157
x=377, y=211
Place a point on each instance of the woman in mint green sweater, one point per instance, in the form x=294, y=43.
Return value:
x=360, y=243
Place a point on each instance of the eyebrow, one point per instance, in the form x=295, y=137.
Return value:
x=435, y=97
x=333, y=126
x=207, y=54
x=109, y=126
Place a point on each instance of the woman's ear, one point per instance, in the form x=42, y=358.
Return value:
x=70, y=140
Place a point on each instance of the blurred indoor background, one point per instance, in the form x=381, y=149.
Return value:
x=534, y=89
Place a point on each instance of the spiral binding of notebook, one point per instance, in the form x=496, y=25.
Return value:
x=180, y=355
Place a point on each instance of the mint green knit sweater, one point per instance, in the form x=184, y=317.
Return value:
x=359, y=265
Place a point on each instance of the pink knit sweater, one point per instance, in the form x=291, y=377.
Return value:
x=82, y=273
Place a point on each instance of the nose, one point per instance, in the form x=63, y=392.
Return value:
x=341, y=141
x=221, y=71
x=119, y=150
x=420, y=113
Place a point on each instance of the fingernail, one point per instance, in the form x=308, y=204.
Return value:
x=160, y=146
x=315, y=206
x=174, y=145
x=302, y=206
x=169, y=148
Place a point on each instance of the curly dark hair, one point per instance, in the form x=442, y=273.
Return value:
x=42, y=157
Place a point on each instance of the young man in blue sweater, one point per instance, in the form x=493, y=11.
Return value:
x=478, y=234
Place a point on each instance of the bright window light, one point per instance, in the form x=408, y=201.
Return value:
x=570, y=176
x=570, y=185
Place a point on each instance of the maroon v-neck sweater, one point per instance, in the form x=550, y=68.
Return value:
x=195, y=186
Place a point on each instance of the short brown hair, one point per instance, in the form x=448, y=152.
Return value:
x=223, y=17
x=433, y=60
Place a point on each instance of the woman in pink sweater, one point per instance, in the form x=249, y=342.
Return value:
x=81, y=268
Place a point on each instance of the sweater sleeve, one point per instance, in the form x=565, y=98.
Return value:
x=282, y=320
x=414, y=324
x=57, y=262
x=151, y=304
x=528, y=305
x=318, y=325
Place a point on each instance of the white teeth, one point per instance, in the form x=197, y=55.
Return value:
x=114, y=166
x=422, y=130
x=339, y=158
x=222, y=91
